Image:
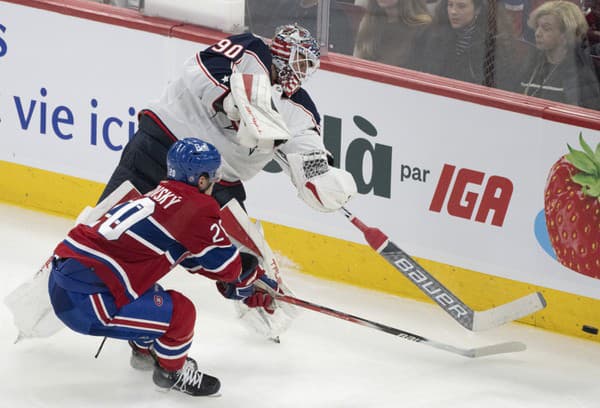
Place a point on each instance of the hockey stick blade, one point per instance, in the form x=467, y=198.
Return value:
x=500, y=348
x=448, y=301
x=497, y=316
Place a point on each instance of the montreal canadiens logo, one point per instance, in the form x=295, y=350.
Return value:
x=158, y=300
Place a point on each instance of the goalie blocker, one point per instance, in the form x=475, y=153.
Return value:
x=250, y=104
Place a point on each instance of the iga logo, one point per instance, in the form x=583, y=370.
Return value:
x=3, y=45
x=463, y=202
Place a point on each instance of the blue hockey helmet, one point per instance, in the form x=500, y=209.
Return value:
x=190, y=158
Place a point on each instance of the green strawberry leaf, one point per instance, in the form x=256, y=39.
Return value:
x=593, y=190
x=584, y=179
x=586, y=147
x=590, y=184
x=589, y=152
x=582, y=162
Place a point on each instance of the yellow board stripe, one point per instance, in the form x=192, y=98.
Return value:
x=46, y=191
x=326, y=257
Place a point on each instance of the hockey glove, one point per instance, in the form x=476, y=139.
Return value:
x=261, y=299
x=319, y=185
x=260, y=124
x=245, y=287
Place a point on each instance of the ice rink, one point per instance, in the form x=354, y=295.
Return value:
x=321, y=361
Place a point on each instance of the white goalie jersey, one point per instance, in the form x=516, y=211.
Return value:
x=193, y=103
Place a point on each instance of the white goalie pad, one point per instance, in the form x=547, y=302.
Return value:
x=125, y=192
x=322, y=187
x=29, y=303
x=260, y=126
x=249, y=237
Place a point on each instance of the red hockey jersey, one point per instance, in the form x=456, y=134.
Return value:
x=139, y=241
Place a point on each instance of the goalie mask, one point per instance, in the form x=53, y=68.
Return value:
x=190, y=158
x=295, y=56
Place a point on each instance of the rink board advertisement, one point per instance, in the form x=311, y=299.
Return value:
x=450, y=181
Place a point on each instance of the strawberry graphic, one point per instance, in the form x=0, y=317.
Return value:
x=572, y=207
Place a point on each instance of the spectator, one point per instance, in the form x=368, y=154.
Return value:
x=530, y=5
x=469, y=42
x=561, y=70
x=388, y=31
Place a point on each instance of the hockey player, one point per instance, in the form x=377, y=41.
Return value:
x=104, y=274
x=246, y=98
x=201, y=99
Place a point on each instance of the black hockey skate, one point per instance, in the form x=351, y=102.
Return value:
x=188, y=380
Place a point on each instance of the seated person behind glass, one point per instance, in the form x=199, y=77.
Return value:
x=561, y=70
x=388, y=30
x=455, y=45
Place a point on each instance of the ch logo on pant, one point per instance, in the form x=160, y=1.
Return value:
x=158, y=300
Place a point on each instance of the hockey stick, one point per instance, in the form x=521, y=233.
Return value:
x=463, y=314
x=508, y=347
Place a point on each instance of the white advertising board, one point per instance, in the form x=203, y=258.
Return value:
x=447, y=180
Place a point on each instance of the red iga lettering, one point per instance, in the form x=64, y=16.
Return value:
x=464, y=196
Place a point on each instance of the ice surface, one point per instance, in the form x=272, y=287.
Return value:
x=321, y=361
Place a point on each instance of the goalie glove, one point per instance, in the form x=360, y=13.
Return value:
x=260, y=124
x=322, y=187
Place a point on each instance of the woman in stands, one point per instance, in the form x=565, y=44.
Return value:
x=471, y=42
x=562, y=68
x=389, y=29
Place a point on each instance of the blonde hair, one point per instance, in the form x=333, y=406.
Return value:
x=410, y=13
x=570, y=18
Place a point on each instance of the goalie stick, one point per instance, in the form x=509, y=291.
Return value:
x=507, y=347
x=463, y=314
